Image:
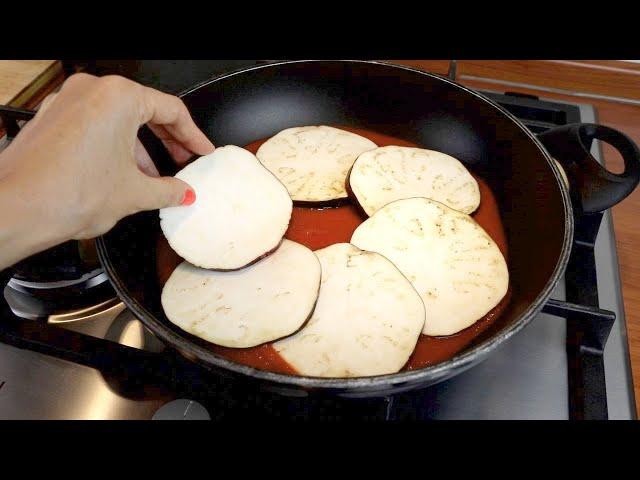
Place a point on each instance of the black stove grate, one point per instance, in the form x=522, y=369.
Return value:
x=588, y=327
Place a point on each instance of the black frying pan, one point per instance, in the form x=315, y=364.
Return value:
x=535, y=205
x=434, y=112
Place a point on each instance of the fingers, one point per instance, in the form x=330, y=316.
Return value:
x=145, y=164
x=177, y=151
x=162, y=192
x=167, y=115
x=170, y=112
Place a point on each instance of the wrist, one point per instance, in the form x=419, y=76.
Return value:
x=25, y=227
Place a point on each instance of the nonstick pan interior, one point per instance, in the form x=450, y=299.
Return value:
x=256, y=103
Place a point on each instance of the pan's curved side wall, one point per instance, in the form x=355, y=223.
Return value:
x=256, y=103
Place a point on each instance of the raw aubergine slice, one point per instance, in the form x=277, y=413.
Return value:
x=240, y=214
x=457, y=269
x=392, y=173
x=313, y=162
x=263, y=302
x=367, y=320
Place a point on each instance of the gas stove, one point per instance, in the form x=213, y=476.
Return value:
x=95, y=360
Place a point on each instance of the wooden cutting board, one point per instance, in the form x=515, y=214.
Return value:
x=21, y=80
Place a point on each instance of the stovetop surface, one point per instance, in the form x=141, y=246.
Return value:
x=526, y=378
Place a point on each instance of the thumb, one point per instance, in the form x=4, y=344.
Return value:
x=162, y=192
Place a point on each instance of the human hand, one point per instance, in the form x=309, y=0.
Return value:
x=78, y=167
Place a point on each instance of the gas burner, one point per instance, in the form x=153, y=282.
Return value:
x=67, y=299
x=84, y=282
x=57, y=281
x=38, y=297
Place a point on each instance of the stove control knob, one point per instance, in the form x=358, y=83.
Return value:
x=181, y=409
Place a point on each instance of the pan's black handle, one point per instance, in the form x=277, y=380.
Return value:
x=594, y=188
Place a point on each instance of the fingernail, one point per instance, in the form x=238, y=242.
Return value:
x=189, y=197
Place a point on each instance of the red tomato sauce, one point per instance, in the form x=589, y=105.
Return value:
x=320, y=227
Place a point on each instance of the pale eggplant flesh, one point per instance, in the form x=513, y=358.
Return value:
x=240, y=215
x=455, y=266
x=313, y=161
x=390, y=173
x=263, y=302
x=367, y=320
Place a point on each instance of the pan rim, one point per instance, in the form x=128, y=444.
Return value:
x=437, y=372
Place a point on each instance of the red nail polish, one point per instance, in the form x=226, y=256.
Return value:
x=189, y=197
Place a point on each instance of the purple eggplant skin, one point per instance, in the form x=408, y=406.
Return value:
x=264, y=255
x=333, y=203
x=352, y=196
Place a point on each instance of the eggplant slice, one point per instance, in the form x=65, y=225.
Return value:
x=457, y=269
x=386, y=174
x=263, y=302
x=313, y=162
x=367, y=320
x=240, y=214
